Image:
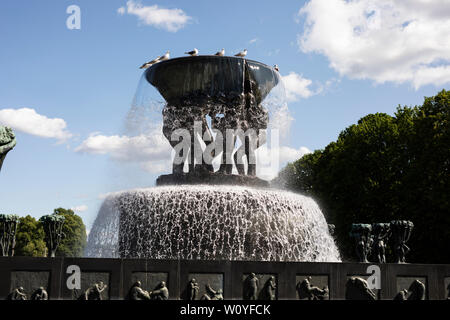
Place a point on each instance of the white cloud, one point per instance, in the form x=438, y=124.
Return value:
x=270, y=160
x=152, y=151
x=80, y=208
x=297, y=87
x=168, y=19
x=29, y=121
x=154, y=154
x=383, y=40
x=288, y=154
x=253, y=41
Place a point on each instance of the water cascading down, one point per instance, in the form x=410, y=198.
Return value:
x=200, y=211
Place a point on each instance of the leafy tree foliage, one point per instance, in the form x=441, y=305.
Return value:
x=29, y=238
x=385, y=168
x=74, y=241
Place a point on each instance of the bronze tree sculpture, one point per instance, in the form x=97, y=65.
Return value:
x=8, y=228
x=401, y=232
x=53, y=232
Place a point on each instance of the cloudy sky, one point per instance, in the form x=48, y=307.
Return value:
x=68, y=93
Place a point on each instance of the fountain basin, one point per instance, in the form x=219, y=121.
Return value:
x=212, y=223
x=210, y=79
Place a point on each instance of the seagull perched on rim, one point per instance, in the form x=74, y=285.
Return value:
x=150, y=63
x=276, y=68
x=192, y=53
x=241, y=54
x=165, y=57
x=220, y=53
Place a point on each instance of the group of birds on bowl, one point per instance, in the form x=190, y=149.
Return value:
x=194, y=53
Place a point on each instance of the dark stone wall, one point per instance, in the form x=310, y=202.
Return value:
x=120, y=274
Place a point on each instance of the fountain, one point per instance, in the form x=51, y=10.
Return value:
x=215, y=231
x=207, y=213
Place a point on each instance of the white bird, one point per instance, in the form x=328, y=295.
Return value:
x=150, y=63
x=193, y=52
x=220, y=53
x=241, y=54
x=276, y=68
x=166, y=56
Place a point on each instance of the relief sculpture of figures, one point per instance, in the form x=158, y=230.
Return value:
x=251, y=287
x=18, y=294
x=94, y=292
x=137, y=293
x=358, y=289
x=160, y=292
x=7, y=142
x=361, y=233
x=192, y=289
x=381, y=232
x=416, y=291
x=212, y=294
x=401, y=232
x=39, y=294
x=306, y=290
x=268, y=292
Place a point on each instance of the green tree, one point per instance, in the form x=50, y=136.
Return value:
x=74, y=241
x=29, y=238
x=385, y=168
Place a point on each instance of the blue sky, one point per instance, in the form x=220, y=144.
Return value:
x=67, y=92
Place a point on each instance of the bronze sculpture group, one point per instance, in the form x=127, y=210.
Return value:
x=357, y=288
x=94, y=292
x=159, y=293
x=251, y=288
x=20, y=294
x=306, y=290
x=372, y=239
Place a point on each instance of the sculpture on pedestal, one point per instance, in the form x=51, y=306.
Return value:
x=306, y=290
x=227, y=90
x=381, y=234
x=401, y=232
x=7, y=142
x=8, y=228
x=361, y=233
x=53, y=232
